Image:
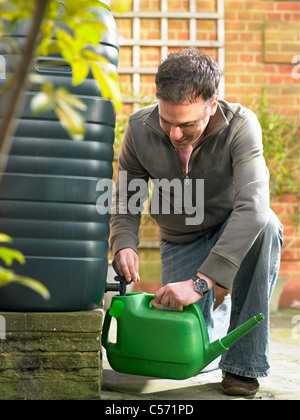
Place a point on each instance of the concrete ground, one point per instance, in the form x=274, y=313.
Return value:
x=283, y=383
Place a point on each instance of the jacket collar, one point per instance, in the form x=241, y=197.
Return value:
x=216, y=123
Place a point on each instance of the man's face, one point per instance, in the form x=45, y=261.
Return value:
x=185, y=123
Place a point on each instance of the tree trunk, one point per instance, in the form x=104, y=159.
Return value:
x=14, y=101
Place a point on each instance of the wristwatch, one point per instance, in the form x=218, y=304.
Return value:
x=200, y=285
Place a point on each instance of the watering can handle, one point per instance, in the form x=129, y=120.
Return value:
x=150, y=297
x=115, y=311
x=105, y=330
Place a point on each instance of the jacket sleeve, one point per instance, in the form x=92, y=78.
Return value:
x=130, y=194
x=251, y=205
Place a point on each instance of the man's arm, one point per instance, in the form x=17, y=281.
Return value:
x=125, y=225
x=250, y=212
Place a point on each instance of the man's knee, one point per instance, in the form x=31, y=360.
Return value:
x=273, y=229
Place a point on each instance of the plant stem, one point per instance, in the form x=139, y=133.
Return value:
x=14, y=101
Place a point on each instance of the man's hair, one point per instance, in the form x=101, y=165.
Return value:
x=187, y=75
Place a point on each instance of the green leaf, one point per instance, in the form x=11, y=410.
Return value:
x=66, y=46
x=92, y=56
x=42, y=102
x=8, y=276
x=121, y=6
x=107, y=80
x=107, y=83
x=72, y=120
x=9, y=255
x=90, y=32
x=5, y=238
x=80, y=71
x=53, y=10
x=72, y=100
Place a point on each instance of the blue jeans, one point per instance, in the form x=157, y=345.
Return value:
x=251, y=292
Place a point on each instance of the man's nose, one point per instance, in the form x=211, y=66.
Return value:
x=175, y=133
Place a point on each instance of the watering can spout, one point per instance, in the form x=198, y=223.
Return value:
x=221, y=345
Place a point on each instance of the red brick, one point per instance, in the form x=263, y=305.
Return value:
x=270, y=69
x=230, y=36
x=296, y=17
x=230, y=78
x=178, y=5
x=289, y=231
x=275, y=79
x=284, y=68
x=247, y=36
x=254, y=26
x=260, y=79
x=288, y=6
x=239, y=5
x=231, y=15
x=258, y=58
x=288, y=198
x=232, y=58
x=147, y=5
x=259, y=5
x=234, y=26
x=290, y=295
x=234, y=46
x=292, y=266
x=248, y=58
x=292, y=254
x=274, y=16
x=254, y=46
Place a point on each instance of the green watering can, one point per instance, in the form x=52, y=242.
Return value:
x=161, y=343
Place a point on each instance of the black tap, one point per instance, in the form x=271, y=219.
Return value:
x=119, y=287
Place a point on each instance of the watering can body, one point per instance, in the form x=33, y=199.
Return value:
x=161, y=343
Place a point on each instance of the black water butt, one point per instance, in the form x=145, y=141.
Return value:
x=48, y=193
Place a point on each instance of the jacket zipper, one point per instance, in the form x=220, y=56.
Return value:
x=186, y=179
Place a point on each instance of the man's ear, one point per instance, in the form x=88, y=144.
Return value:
x=214, y=105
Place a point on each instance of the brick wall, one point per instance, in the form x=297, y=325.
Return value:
x=261, y=52
x=262, y=42
x=262, y=37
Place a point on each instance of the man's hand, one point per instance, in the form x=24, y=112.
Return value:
x=126, y=263
x=178, y=295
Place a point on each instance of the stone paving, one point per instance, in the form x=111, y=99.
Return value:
x=283, y=383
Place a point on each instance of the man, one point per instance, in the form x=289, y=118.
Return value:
x=192, y=135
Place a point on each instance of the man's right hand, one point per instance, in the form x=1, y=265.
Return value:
x=126, y=263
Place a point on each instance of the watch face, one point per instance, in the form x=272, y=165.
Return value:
x=201, y=285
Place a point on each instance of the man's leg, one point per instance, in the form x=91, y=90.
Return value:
x=251, y=293
x=252, y=290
